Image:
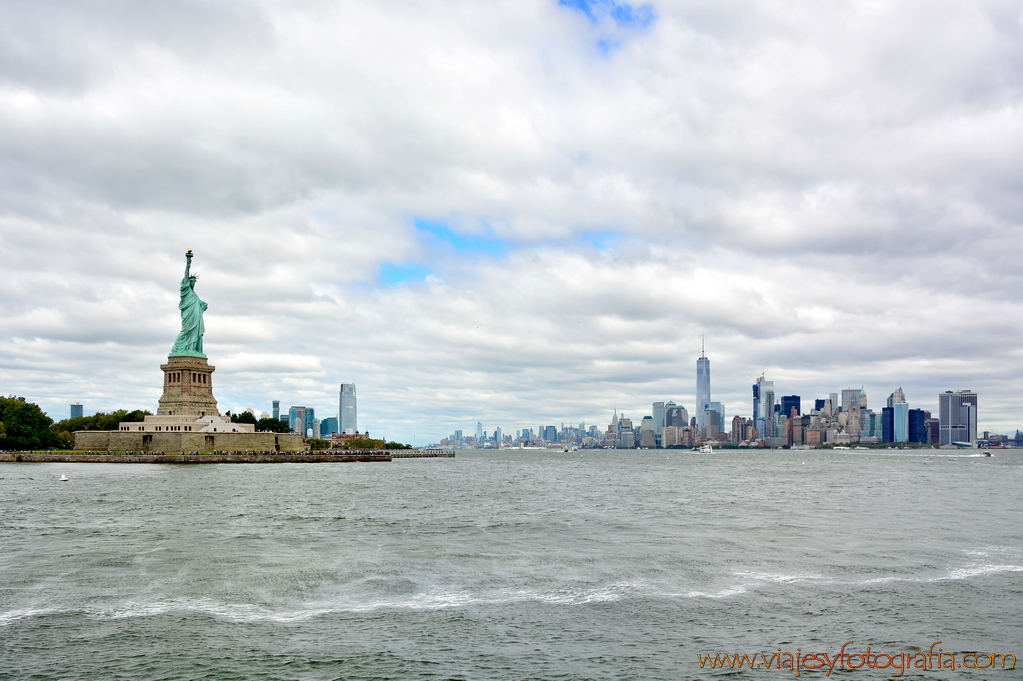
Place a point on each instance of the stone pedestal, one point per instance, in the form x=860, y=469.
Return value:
x=187, y=387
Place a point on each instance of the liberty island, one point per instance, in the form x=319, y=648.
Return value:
x=188, y=419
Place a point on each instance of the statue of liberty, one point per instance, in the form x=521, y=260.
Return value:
x=189, y=341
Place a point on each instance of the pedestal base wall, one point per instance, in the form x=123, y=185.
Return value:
x=119, y=441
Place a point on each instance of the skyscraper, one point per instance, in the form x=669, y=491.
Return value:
x=790, y=401
x=900, y=416
x=702, y=386
x=659, y=409
x=957, y=417
x=348, y=413
x=328, y=426
x=301, y=420
x=277, y=409
x=77, y=410
x=763, y=407
x=917, y=425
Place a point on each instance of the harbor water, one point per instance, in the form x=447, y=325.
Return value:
x=510, y=565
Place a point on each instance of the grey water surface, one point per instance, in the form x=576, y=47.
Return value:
x=509, y=565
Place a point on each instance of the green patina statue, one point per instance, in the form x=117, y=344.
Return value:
x=189, y=341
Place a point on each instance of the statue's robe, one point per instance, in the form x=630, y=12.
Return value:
x=192, y=327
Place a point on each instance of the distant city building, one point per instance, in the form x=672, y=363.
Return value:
x=790, y=401
x=77, y=410
x=850, y=399
x=659, y=410
x=917, y=425
x=277, y=409
x=676, y=416
x=348, y=413
x=900, y=416
x=888, y=424
x=300, y=419
x=550, y=433
x=763, y=408
x=328, y=427
x=957, y=417
x=702, y=387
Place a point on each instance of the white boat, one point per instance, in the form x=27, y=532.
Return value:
x=63, y=478
x=705, y=448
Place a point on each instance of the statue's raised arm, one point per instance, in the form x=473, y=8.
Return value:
x=189, y=341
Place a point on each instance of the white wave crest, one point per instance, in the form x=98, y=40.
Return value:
x=10, y=616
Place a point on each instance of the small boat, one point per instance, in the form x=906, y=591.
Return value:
x=63, y=478
x=705, y=448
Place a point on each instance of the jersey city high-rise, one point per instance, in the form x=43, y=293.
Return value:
x=347, y=414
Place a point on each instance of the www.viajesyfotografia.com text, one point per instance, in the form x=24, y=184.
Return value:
x=898, y=663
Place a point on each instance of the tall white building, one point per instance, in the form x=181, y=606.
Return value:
x=348, y=413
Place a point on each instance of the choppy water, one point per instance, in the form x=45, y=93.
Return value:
x=618, y=565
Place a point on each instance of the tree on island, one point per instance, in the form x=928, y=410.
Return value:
x=24, y=425
x=101, y=420
x=370, y=443
x=62, y=430
x=271, y=425
x=244, y=417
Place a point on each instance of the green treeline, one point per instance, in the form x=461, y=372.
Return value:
x=24, y=426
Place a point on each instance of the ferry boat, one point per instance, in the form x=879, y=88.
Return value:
x=705, y=448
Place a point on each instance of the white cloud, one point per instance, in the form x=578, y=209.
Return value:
x=831, y=194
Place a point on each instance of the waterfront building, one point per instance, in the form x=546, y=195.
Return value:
x=888, y=424
x=739, y=425
x=669, y=436
x=348, y=412
x=917, y=425
x=790, y=402
x=900, y=422
x=900, y=416
x=77, y=410
x=871, y=426
x=957, y=417
x=300, y=419
x=659, y=410
x=702, y=387
x=712, y=424
x=328, y=427
x=647, y=432
x=763, y=407
x=676, y=416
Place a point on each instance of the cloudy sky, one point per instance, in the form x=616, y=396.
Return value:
x=519, y=212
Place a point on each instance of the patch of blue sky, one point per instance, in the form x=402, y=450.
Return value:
x=601, y=240
x=439, y=240
x=391, y=273
x=622, y=13
x=606, y=45
x=439, y=235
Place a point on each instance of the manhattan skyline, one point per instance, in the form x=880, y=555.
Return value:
x=516, y=214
